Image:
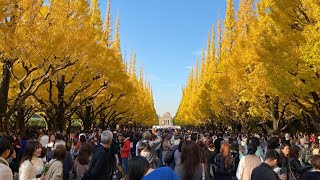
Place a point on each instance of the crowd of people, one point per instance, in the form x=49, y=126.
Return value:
x=158, y=154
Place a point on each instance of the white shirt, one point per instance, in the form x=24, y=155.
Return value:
x=44, y=140
x=28, y=170
x=241, y=166
x=5, y=171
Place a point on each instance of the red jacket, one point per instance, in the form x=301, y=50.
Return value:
x=126, y=149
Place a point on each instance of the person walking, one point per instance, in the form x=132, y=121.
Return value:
x=294, y=163
x=101, y=166
x=56, y=164
x=265, y=170
x=224, y=163
x=139, y=169
x=248, y=163
x=31, y=165
x=191, y=166
x=81, y=164
x=314, y=174
x=125, y=153
x=5, y=171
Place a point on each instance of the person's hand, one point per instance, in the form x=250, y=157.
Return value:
x=47, y=165
x=154, y=131
x=43, y=177
x=282, y=177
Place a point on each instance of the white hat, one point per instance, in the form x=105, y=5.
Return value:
x=82, y=135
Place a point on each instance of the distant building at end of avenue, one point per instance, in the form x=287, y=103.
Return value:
x=166, y=119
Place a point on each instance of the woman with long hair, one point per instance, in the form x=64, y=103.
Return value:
x=210, y=154
x=81, y=164
x=294, y=163
x=191, y=166
x=283, y=162
x=224, y=163
x=56, y=164
x=165, y=146
x=31, y=165
x=139, y=169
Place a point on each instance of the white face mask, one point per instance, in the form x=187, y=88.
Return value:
x=145, y=154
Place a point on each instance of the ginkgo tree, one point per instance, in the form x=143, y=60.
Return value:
x=266, y=71
x=58, y=59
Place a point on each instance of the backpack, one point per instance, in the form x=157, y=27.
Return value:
x=306, y=155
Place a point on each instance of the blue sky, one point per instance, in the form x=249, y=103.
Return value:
x=167, y=36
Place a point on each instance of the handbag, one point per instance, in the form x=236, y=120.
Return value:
x=120, y=174
x=291, y=174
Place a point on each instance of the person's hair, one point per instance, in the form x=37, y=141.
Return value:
x=209, y=142
x=202, y=148
x=190, y=158
x=272, y=154
x=143, y=146
x=273, y=143
x=30, y=148
x=255, y=141
x=164, y=136
x=137, y=168
x=235, y=146
x=146, y=135
x=252, y=148
x=316, y=144
x=106, y=137
x=181, y=144
x=85, y=152
x=59, y=152
x=43, y=152
x=225, y=151
x=125, y=135
x=82, y=138
x=282, y=157
x=59, y=137
x=194, y=137
x=4, y=145
x=315, y=162
x=294, y=151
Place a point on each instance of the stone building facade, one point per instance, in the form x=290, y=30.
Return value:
x=166, y=119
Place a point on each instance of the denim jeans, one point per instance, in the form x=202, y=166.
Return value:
x=125, y=165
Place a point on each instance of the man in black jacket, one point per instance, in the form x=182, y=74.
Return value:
x=265, y=170
x=102, y=163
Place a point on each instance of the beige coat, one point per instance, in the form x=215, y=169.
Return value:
x=29, y=169
x=55, y=171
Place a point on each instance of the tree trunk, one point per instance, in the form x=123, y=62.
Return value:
x=20, y=118
x=275, y=115
x=4, y=90
x=60, y=120
x=87, y=122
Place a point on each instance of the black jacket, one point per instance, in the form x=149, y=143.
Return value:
x=264, y=172
x=101, y=166
x=296, y=167
x=169, y=159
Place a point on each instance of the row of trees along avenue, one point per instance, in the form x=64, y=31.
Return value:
x=263, y=72
x=60, y=60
